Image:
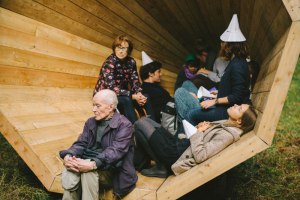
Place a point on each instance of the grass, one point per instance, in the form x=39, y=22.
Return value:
x=272, y=174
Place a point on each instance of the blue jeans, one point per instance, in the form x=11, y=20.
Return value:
x=188, y=107
x=196, y=116
x=184, y=101
x=190, y=86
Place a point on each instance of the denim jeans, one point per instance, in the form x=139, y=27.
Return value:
x=196, y=116
x=184, y=102
x=190, y=87
x=188, y=107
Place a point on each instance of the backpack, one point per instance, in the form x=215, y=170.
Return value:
x=169, y=118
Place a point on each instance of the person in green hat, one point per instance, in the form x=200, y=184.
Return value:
x=188, y=72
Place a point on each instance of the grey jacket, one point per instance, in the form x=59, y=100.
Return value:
x=205, y=145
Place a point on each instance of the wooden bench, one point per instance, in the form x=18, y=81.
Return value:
x=46, y=82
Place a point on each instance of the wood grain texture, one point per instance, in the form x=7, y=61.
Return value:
x=51, y=53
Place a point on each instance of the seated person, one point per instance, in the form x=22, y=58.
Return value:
x=210, y=79
x=189, y=71
x=119, y=73
x=150, y=74
x=234, y=84
x=102, y=154
x=205, y=56
x=168, y=150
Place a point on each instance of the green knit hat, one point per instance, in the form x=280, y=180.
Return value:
x=190, y=57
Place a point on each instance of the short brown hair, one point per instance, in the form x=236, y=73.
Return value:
x=248, y=119
x=118, y=41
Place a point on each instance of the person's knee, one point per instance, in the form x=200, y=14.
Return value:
x=70, y=180
x=139, y=123
x=179, y=93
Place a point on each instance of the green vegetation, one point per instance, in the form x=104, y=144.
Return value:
x=272, y=174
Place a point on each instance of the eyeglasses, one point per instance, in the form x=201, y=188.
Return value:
x=121, y=48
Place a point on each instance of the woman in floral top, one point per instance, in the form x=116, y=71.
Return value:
x=119, y=73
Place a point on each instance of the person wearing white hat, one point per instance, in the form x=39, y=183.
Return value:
x=151, y=75
x=234, y=85
x=119, y=73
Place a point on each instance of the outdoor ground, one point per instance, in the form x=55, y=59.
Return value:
x=272, y=174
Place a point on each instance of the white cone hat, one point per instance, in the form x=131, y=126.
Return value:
x=233, y=33
x=189, y=129
x=146, y=59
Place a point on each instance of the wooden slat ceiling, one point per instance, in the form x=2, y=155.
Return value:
x=165, y=29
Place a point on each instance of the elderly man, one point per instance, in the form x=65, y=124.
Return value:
x=102, y=154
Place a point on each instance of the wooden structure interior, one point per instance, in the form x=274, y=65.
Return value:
x=52, y=51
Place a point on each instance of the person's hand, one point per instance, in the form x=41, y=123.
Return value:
x=70, y=163
x=208, y=103
x=202, y=126
x=140, y=98
x=215, y=92
x=194, y=95
x=203, y=71
x=84, y=165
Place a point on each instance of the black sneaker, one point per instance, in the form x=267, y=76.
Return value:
x=159, y=171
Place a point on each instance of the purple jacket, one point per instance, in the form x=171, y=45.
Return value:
x=117, y=144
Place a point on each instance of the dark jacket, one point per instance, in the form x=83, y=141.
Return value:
x=158, y=97
x=235, y=82
x=117, y=144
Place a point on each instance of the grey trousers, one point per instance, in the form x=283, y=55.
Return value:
x=84, y=186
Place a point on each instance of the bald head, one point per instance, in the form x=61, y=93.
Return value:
x=107, y=96
x=104, y=104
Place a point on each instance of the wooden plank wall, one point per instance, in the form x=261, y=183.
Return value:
x=46, y=82
x=102, y=21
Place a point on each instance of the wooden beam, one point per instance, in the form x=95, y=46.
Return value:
x=293, y=8
x=25, y=59
x=280, y=85
x=25, y=152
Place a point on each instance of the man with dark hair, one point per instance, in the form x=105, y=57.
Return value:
x=150, y=74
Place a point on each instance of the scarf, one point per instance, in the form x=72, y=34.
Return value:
x=188, y=74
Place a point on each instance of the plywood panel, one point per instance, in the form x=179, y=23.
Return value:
x=29, y=122
x=16, y=39
x=267, y=74
x=31, y=77
x=43, y=14
x=31, y=94
x=23, y=109
x=140, y=12
x=134, y=25
x=22, y=58
x=25, y=25
x=259, y=100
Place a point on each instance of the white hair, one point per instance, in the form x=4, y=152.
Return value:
x=108, y=96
